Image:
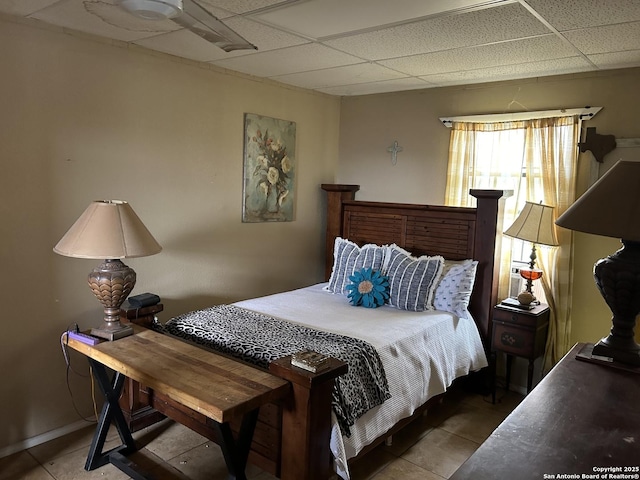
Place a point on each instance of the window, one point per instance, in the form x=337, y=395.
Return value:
x=537, y=160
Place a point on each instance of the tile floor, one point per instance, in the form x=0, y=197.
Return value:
x=431, y=448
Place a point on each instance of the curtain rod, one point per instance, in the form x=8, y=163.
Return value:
x=585, y=113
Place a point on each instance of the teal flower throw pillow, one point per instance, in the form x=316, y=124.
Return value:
x=368, y=288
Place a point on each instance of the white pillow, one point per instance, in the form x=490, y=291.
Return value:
x=453, y=293
x=412, y=280
x=348, y=258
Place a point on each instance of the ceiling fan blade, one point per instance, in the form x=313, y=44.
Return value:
x=198, y=20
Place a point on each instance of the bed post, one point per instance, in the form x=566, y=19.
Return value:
x=306, y=420
x=490, y=205
x=336, y=194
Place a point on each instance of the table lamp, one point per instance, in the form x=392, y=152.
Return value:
x=109, y=230
x=534, y=224
x=611, y=207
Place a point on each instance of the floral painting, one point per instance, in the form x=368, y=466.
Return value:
x=269, y=169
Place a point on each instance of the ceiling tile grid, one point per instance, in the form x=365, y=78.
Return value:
x=361, y=47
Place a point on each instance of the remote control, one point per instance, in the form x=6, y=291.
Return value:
x=83, y=337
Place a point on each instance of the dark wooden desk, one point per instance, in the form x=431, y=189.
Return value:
x=581, y=417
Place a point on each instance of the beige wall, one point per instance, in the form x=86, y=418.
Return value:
x=369, y=124
x=83, y=120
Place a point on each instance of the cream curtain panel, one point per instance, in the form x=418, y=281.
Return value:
x=537, y=159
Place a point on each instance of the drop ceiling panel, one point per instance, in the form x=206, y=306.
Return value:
x=266, y=37
x=183, y=43
x=572, y=14
x=350, y=47
x=332, y=17
x=617, y=59
x=610, y=38
x=378, y=87
x=443, y=33
x=189, y=45
x=288, y=60
x=330, y=77
x=23, y=7
x=493, y=55
x=242, y=6
x=103, y=18
x=559, y=66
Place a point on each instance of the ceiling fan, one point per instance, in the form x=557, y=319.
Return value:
x=192, y=16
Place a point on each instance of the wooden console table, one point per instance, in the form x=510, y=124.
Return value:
x=581, y=419
x=214, y=385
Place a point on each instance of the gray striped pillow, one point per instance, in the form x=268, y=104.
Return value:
x=412, y=281
x=348, y=258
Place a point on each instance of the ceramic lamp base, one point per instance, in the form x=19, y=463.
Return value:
x=111, y=282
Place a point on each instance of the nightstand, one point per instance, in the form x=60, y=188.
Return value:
x=519, y=333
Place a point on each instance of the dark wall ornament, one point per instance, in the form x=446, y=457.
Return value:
x=599, y=145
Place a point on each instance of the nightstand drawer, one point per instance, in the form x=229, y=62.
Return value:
x=519, y=341
x=524, y=318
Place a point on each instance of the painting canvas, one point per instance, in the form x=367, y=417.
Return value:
x=269, y=169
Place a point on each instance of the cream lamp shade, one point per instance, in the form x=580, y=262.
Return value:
x=611, y=208
x=109, y=230
x=534, y=224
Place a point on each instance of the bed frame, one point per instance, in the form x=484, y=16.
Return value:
x=291, y=439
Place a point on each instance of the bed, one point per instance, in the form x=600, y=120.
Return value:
x=449, y=345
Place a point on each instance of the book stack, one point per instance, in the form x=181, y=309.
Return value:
x=514, y=303
x=310, y=360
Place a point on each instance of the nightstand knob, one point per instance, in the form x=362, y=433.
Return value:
x=514, y=318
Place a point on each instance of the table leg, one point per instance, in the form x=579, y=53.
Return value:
x=530, y=376
x=111, y=412
x=236, y=451
x=508, y=379
x=493, y=360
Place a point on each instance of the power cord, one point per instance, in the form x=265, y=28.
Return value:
x=64, y=343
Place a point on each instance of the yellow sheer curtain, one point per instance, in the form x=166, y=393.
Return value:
x=537, y=160
x=551, y=149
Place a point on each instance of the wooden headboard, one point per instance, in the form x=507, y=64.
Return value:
x=456, y=233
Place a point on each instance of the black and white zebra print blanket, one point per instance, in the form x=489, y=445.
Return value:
x=259, y=339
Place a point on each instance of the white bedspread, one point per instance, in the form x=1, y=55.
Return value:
x=422, y=353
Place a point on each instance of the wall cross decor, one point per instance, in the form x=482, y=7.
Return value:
x=394, y=150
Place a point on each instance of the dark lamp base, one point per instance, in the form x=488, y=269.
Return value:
x=112, y=334
x=588, y=354
x=618, y=280
x=629, y=356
